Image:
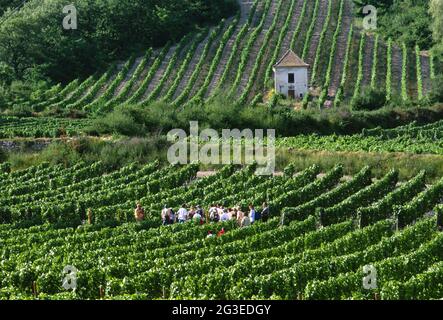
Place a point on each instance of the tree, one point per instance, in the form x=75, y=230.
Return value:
x=436, y=11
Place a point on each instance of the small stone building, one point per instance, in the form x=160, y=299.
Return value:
x=291, y=76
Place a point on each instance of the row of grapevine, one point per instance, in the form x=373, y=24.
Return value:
x=327, y=82
x=215, y=61
x=42, y=127
x=310, y=30
x=348, y=208
x=417, y=287
x=336, y=195
x=356, y=143
x=259, y=57
x=419, y=73
x=244, y=56
x=237, y=43
x=375, y=62
x=348, y=282
x=360, y=66
x=183, y=67
x=281, y=37
x=297, y=30
x=384, y=208
x=59, y=95
x=108, y=94
x=404, y=73
x=340, y=92
x=423, y=202
x=124, y=93
x=93, y=90
x=320, y=43
x=389, y=71
x=172, y=64
x=152, y=70
x=183, y=95
x=76, y=94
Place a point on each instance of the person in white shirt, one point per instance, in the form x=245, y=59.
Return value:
x=225, y=216
x=182, y=214
x=172, y=216
x=251, y=213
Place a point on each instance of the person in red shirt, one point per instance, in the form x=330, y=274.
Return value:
x=221, y=232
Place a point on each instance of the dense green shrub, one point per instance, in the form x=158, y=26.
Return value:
x=436, y=94
x=369, y=99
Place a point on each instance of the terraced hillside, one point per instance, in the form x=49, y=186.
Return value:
x=322, y=231
x=237, y=56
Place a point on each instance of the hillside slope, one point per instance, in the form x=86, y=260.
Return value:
x=236, y=58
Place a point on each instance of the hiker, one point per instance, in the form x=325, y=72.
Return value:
x=240, y=215
x=197, y=217
x=252, y=213
x=182, y=214
x=139, y=212
x=213, y=214
x=221, y=232
x=172, y=216
x=225, y=216
x=265, y=212
x=191, y=213
x=233, y=214
x=220, y=210
x=200, y=215
x=245, y=222
x=165, y=215
x=200, y=211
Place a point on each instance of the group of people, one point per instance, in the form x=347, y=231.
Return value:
x=216, y=213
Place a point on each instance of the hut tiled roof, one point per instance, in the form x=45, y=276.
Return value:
x=290, y=59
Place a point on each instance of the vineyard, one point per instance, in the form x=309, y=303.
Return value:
x=87, y=181
x=411, y=138
x=236, y=57
x=323, y=229
x=12, y=127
